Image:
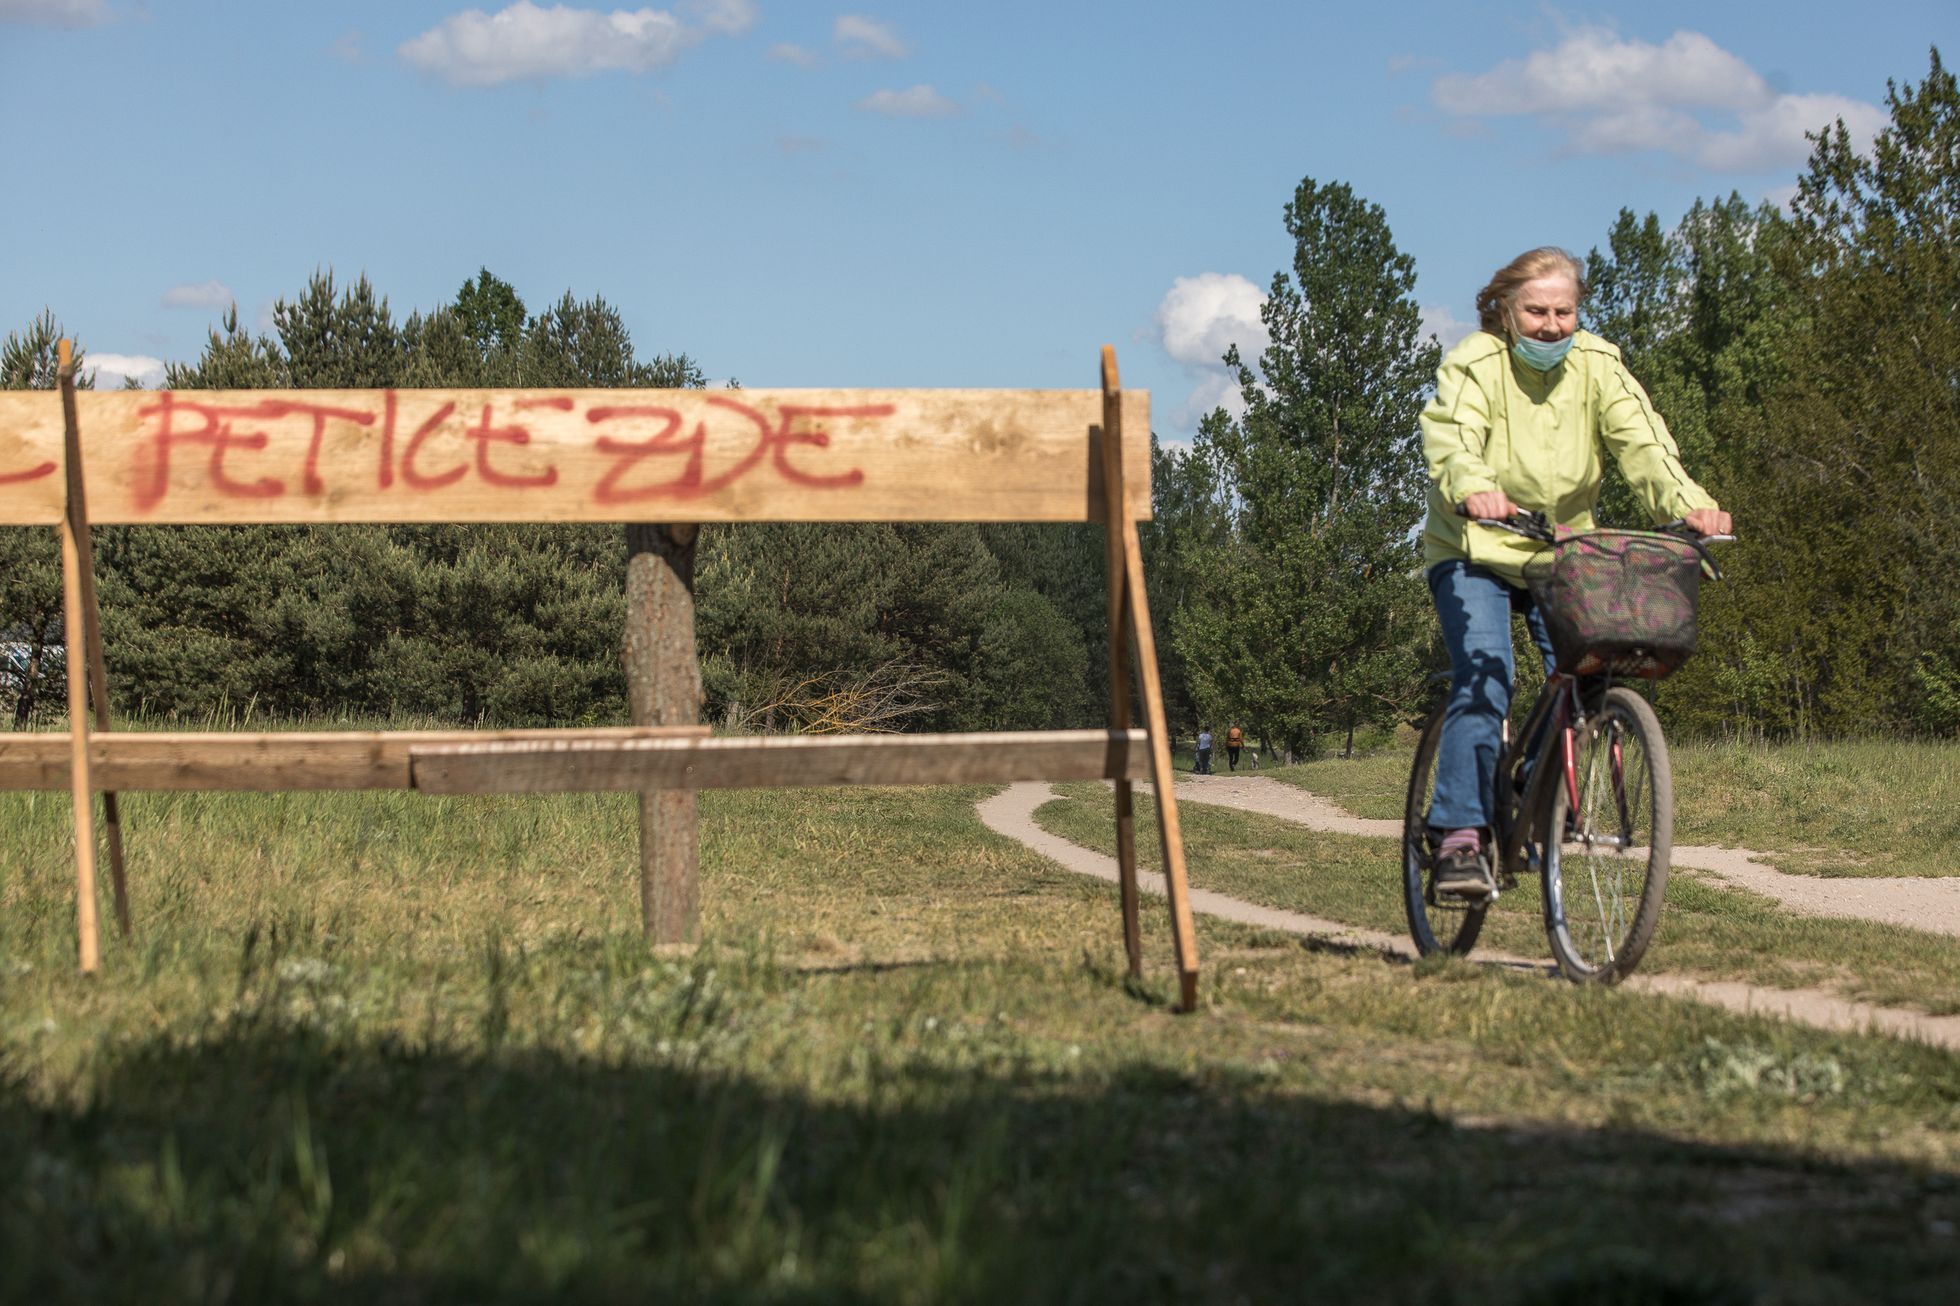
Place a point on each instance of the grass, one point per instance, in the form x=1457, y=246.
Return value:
x=1846, y=808
x=1706, y=931
x=412, y=1049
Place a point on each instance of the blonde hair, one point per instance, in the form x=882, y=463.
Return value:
x=1494, y=300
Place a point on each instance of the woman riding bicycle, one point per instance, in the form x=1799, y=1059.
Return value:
x=1521, y=409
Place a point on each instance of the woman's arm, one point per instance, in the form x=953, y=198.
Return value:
x=1646, y=452
x=1455, y=432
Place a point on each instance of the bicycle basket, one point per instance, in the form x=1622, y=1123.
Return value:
x=1618, y=602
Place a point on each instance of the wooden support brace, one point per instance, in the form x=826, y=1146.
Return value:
x=1122, y=526
x=96, y=664
x=1110, y=444
x=74, y=622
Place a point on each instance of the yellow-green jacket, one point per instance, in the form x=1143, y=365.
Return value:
x=1496, y=424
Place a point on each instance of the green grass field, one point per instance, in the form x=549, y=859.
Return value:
x=1862, y=807
x=412, y=1049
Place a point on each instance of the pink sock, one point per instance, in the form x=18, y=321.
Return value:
x=1469, y=840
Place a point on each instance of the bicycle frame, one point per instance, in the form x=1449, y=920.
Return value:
x=1559, y=709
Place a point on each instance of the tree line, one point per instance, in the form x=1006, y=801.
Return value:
x=1806, y=357
x=801, y=627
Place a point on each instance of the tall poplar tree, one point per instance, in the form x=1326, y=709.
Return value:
x=1310, y=619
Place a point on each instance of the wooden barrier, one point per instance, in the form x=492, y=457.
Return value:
x=235, y=457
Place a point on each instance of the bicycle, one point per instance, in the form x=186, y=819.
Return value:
x=1593, y=766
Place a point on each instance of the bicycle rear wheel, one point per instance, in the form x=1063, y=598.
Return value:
x=1606, y=861
x=1436, y=924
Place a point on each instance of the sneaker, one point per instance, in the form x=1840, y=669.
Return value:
x=1463, y=873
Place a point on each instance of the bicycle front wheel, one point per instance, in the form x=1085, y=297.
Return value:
x=1436, y=924
x=1606, y=860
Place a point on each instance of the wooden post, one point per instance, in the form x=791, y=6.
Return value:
x=1114, y=512
x=73, y=623
x=96, y=665
x=663, y=688
x=1123, y=525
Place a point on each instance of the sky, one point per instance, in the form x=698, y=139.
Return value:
x=865, y=194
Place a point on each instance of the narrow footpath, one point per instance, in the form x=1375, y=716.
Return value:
x=1011, y=813
x=1916, y=902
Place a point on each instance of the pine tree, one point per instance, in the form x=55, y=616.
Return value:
x=1309, y=620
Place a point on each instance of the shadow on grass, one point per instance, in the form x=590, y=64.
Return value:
x=275, y=1163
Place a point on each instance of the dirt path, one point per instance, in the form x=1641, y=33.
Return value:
x=1912, y=901
x=1011, y=813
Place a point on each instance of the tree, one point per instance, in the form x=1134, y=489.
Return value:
x=348, y=342
x=31, y=670
x=1866, y=433
x=491, y=314
x=1310, y=620
x=29, y=358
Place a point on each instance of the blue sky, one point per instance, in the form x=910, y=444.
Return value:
x=876, y=194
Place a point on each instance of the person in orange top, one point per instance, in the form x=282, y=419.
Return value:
x=1234, y=741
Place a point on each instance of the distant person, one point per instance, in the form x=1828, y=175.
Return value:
x=1203, y=766
x=1521, y=411
x=1234, y=741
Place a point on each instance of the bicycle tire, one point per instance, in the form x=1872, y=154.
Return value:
x=1604, y=868
x=1433, y=928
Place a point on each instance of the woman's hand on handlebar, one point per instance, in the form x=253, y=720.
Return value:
x=1708, y=521
x=1495, y=505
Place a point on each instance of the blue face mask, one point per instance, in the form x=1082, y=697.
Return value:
x=1541, y=355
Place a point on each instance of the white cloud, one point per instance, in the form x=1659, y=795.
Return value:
x=1200, y=317
x=915, y=102
x=729, y=17
x=525, y=42
x=205, y=294
x=785, y=52
x=57, y=13
x=348, y=47
x=1439, y=321
x=111, y=369
x=864, y=38
x=1687, y=97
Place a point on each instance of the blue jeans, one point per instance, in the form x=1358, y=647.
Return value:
x=1475, y=608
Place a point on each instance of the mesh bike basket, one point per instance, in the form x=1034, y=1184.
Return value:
x=1618, y=602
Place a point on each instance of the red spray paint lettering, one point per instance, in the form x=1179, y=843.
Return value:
x=153, y=456
x=226, y=430
x=775, y=442
x=31, y=474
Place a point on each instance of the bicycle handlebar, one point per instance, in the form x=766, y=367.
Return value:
x=1536, y=526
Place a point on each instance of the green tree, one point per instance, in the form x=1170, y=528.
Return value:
x=347, y=341
x=1865, y=435
x=1311, y=619
x=29, y=358
x=491, y=314
x=31, y=663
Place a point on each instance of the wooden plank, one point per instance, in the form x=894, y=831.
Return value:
x=33, y=475
x=261, y=763
x=769, y=762
x=1108, y=441
x=80, y=782
x=571, y=455
x=97, y=664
